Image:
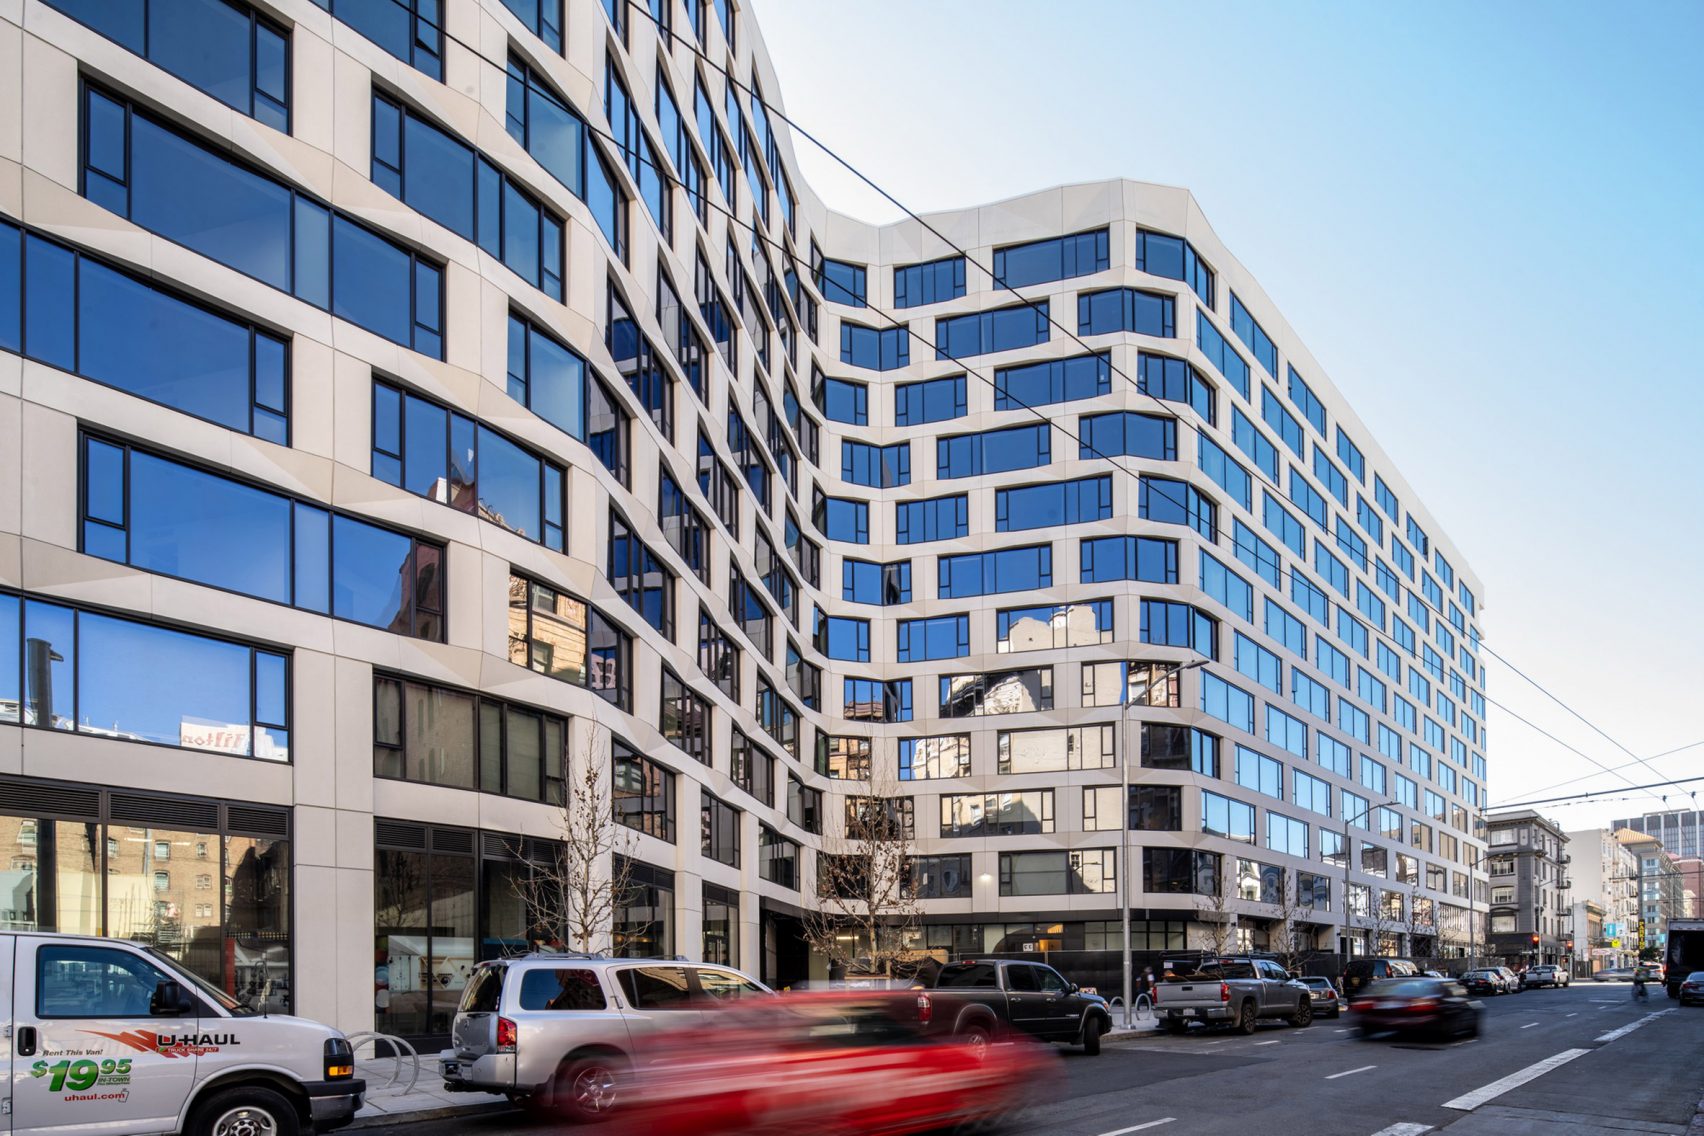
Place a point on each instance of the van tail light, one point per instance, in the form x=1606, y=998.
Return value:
x=507, y=1035
x=1224, y=991
x=925, y=1009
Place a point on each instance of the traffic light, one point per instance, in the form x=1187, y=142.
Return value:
x=1535, y=940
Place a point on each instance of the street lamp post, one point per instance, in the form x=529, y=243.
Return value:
x=1124, y=828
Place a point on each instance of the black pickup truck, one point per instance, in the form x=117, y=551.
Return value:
x=983, y=1001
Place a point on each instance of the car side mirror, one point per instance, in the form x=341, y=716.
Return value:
x=168, y=1000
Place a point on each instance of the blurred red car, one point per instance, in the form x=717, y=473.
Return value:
x=831, y=1062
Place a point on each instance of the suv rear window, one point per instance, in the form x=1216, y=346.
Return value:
x=485, y=992
x=974, y=975
x=561, y=988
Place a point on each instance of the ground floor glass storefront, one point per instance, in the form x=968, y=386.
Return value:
x=204, y=881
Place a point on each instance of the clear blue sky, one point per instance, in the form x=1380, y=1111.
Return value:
x=1486, y=221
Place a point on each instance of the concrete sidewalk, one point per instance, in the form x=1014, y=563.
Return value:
x=427, y=1099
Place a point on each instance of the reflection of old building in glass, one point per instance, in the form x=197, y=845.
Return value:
x=372, y=482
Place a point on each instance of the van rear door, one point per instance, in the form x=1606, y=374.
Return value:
x=108, y=1056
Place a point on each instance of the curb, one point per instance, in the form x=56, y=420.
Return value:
x=1137, y=1034
x=387, y=1119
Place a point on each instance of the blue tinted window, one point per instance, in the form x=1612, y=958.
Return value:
x=883, y=350
x=881, y=467
x=1350, y=543
x=1175, y=381
x=1332, y=661
x=991, y=573
x=120, y=678
x=471, y=467
x=1282, y=524
x=841, y=283
x=1059, y=258
x=917, y=284
x=937, y=518
x=133, y=335
x=1126, y=309
x=1307, y=498
x=181, y=521
x=1226, y=473
x=1003, y=329
x=1280, y=625
x=1350, y=454
x=541, y=17
x=1311, y=599
x=636, y=359
x=1056, y=380
x=1307, y=402
x=866, y=582
x=993, y=451
x=1418, y=538
x=1331, y=477
x=1256, y=445
x=549, y=129
x=1252, y=334
x=1224, y=585
x=845, y=639
x=1311, y=695
x=201, y=199
x=939, y=637
x=844, y=401
x=1149, y=559
x=1282, y=421
x=1058, y=503
x=1127, y=433
x=1230, y=704
x=222, y=47
x=1167, y=501
x=846, y=520
x=641, y=577
x=1256, y=553
x=1175, y=259
x=934, y=400
x=1371, y=523
x=411, y=30
x=1169, y=624
x=1404, y=558
x=546, y=377
x=1219, y=351
x=454, y=185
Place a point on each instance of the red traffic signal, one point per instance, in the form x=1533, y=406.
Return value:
x=1535, y=940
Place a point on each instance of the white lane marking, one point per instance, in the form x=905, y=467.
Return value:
x=1467, y=1102
x=1529, y=1025
x=1404, y=1130
x=1347, y=1072
x=1344, y=1030
x=1266, y=1043
x=1575, y=1014
x=1631, y=1026
x=1139, y=1127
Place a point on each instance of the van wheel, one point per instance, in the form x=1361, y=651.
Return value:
x=588, y=1088
x=247, y=1111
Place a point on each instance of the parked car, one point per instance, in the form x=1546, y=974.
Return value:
x=1486, y=981
x=1359, y=972
x=993, y=999
x=1511, y=980
x=1432, y=1006
x=1323, y=994
x=1692, y=987
x=111, y=1036
x=808, y=1063
x=1545, y=975
x=1614, y=974
x=569, y=1033
x=1232, y=990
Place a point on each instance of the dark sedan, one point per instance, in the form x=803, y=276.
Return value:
x=1484, y=982
x=1433, y=1006
x=1692, y=989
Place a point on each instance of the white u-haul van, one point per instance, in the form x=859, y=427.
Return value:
x=110, y=1038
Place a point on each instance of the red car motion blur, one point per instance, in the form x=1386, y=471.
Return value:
x=828, y=1062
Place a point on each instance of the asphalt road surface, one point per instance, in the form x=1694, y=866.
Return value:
x=1585, y=1060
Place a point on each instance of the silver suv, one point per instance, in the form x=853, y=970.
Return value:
x=562, y=1032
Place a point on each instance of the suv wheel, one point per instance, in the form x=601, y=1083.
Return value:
x=588, y=1088
x=250, y=1111
x=1092, y=1036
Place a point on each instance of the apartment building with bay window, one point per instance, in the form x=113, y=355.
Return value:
x=404, y=409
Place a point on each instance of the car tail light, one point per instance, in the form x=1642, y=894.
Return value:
x=925, y=1009
x=507, y=1035
x=1422, y=1005
x=1224, y=991
x=1154, y=996
x=1362, y=1005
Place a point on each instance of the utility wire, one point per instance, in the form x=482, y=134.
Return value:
x=1585, y=796
x=1042, y=308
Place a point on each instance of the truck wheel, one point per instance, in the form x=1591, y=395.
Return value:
x=1246, y=1019
x=1303, y=1016
x=975, y=1038
x=246, y=1111
x=587, y=1089
x=1091, y=1037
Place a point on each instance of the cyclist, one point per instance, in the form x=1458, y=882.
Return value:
x=1639, y=991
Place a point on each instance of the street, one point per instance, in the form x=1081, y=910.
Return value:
x=1586, y=1059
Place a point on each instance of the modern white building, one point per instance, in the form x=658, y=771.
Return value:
x=1605, y=873
x=397, y=418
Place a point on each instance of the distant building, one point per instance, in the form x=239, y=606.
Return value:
x=1691, y=871
x=1530, y=911
x=1677, y=831
x=1661, y=893
x=1605, y=875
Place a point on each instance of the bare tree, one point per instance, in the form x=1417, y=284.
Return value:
x=1388, y=920
x=1213, y=910
x=571, y=895
x=1421, y=922
x=866, y=898
x=1292, y=936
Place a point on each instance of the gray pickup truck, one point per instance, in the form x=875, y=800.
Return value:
x=1229, y=990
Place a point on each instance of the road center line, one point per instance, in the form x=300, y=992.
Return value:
x=1575, y=1014
x=1347, y=1072
x=1139, y=1127
x=1631, y=1026
x=1404, y=1130
x=1266, y=1043
x=1529, y=1025
x=1467, y=1102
